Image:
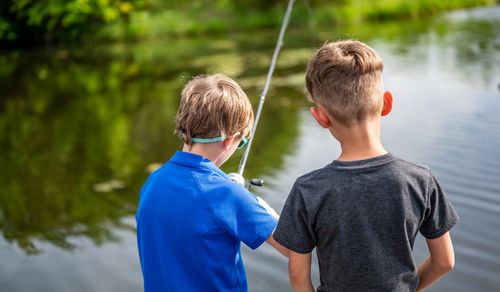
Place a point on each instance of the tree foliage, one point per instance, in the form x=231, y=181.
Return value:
x=55, y=21
x=52, y=20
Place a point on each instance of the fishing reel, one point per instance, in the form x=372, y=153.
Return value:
x=238, y=178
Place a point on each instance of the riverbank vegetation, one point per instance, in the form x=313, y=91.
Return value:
x=28, y=22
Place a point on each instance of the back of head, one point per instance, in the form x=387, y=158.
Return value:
x=345, y=78
x=213, y=106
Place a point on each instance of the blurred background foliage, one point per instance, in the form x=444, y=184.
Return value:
x=27, y=22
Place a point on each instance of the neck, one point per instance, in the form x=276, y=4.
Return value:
x=361, y=141
x=210, y=151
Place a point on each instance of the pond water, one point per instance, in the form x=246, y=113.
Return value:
x=80, y=127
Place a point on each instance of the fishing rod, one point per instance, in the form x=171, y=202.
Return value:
x=277, y=49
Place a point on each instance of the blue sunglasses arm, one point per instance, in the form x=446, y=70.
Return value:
x=208, y=140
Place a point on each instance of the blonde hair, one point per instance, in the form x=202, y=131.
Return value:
x=345, y=77
x=213, y=106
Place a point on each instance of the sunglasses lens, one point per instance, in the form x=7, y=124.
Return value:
x=243, y=142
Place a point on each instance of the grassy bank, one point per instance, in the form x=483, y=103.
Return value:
x=168, y=22
x=147, y=19
x=382, y=10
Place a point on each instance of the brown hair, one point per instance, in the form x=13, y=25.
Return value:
x=213, y=106
x=345, y=77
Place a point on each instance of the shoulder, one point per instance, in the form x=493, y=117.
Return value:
x=413, y=174
x=411, y=168
x=313, y=184
x=157, y=179
x=314, y=177
x=411, y=165
x=216, y=187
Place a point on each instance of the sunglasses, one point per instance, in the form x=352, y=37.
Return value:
x=242, y=144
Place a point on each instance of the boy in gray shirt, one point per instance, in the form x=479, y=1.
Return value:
x=363, y=211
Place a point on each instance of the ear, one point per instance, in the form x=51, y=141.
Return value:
x=229, y=141
x=321, y=117
x=386, y=109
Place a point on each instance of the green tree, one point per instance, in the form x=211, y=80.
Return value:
x=27, y=21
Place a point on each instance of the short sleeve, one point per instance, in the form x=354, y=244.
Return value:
x=440, y=216
x=238, y=212
x=295, y=230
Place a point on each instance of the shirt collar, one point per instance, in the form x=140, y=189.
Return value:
x=196, y=161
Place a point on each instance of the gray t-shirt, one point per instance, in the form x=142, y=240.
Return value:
x=363, y=217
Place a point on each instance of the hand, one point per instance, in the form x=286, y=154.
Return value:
x=237, y=178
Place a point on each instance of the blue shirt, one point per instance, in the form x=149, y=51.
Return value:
x=190, y=222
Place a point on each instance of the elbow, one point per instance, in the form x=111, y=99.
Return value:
x=446, y=265
x=298, y=280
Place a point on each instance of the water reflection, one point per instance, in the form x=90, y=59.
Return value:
x=77, y=123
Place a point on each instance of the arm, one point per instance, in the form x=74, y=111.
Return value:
x=283, y=250
x=299, y=272
x=440, y=261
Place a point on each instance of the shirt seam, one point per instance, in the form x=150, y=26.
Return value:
x=355, y=168
x=428, y=195
x=207, y=204
x=217, y=220
x=289, y=245
x=269, y=228
x=377, y=158
x=443, y=230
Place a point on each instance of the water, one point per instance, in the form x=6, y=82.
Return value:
x=80, y=127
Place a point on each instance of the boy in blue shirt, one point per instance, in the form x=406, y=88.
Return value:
x=191, y=217
x=363, y=211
